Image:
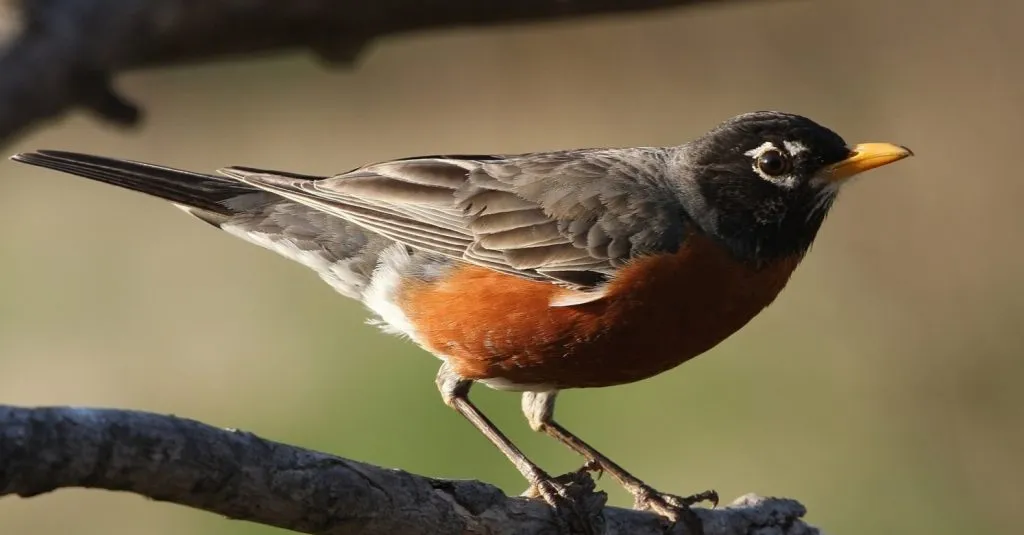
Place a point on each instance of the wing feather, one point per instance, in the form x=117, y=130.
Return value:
x=571, y=217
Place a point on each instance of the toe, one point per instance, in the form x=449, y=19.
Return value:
x=706, y=496
x=674, y=508
x=575, y=512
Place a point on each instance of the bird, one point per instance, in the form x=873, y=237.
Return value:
x=543, y=271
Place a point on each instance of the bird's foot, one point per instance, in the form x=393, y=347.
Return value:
x=578, y=508
x=674, y=508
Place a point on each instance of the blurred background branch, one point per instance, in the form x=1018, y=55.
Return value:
x=58, y=54
x=242, y=476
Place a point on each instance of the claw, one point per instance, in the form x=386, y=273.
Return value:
x=706, y=496
x=693, y=499
x=577, y=507
x=675, y=508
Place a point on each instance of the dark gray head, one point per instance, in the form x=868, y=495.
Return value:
x=763, y=182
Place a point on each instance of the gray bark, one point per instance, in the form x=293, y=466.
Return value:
x=242, y=476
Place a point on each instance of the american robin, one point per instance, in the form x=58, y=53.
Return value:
x=545, y=271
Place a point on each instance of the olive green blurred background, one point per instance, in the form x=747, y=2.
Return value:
x=883, y=389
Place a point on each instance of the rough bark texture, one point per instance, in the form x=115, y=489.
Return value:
x=242, y=476
x=56, y=54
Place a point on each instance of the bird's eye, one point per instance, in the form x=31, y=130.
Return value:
x=773, y=163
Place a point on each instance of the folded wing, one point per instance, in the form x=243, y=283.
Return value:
x=567, y=217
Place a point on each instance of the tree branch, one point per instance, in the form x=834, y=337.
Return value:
x=242, y=476
x=57, y=54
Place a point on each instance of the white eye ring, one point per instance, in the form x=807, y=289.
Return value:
x=791, y=147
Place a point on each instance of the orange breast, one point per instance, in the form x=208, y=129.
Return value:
x=660, y=311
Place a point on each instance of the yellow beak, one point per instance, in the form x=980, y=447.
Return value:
x=864, y=157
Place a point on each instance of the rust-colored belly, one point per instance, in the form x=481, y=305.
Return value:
x=660, y=311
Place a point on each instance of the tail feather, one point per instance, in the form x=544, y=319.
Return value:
x=344, y=255
x=205, y=193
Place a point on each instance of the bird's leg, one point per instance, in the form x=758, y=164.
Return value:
x=455, y=392
x=539, y=408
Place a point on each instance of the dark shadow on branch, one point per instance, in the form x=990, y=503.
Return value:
x=56, y=54
x=242, y=476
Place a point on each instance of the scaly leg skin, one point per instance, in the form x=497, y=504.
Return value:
x=455, y=392
x=539, y=408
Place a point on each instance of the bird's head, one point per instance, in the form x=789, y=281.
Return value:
x=763, y=182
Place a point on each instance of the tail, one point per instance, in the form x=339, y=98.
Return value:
x=210, y=197
x=342, y=253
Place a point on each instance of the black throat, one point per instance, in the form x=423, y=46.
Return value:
x=775, y=228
